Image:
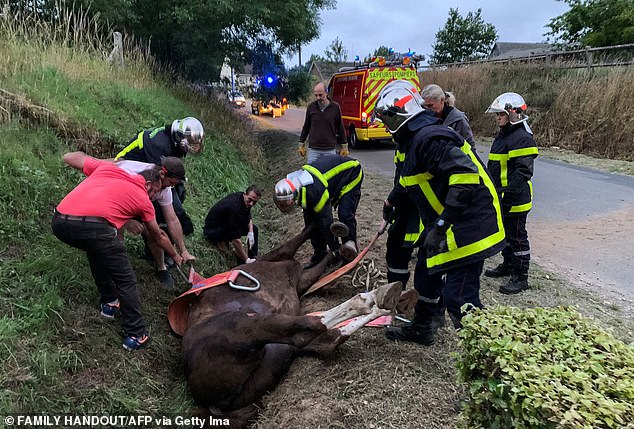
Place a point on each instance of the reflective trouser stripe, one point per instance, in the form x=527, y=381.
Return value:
x=398, y=270
x=429, y=300
x=522, y=253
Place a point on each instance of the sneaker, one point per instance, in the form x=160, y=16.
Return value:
x=166, y=279
x=339, y=229
x=135, y=343
x=412, y=333
x=109, y=309
x=500, y=271
x=348, y=250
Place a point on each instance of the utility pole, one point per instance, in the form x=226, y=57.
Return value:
x=299, y=51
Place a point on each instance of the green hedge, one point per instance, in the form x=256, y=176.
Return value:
x=544, y=368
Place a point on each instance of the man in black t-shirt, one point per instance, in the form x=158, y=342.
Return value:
x=230, y=219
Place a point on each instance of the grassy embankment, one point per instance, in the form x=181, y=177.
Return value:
x=587, y=112
x=59, y=93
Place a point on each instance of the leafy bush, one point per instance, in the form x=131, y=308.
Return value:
x=544, y=368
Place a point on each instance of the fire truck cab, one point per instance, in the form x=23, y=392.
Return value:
x=356, y=90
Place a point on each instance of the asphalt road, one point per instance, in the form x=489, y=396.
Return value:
x=581, y=226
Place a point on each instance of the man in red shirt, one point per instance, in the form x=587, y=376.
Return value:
x=88, y=219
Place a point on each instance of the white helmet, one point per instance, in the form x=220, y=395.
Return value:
x=398, y=102
x=188, y=133
x=512, y=104
x=287, y=189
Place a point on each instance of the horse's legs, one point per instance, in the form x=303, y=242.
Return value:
x=287, y=250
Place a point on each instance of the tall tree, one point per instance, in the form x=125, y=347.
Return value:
x=195, y=36
x=463, y=39
x=594, y=23
x=336, y=52
x=382, y=51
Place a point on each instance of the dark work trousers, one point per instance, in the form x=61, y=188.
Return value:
x=347, y=210
x=320, y=236
x=219, y=234
x=461, y=285
x=397, y=256
x=517, y=253
x=109, y=265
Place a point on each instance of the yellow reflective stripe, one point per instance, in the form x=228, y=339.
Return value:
x=412, y=237
x=322, y=201
x=523, y=152
x=498, y=156
x=303, y=197
x=136, y=143
x=464, y=179
x=399, y=156
x=524, y=207
x=451, y=240
x=415, y=180
x=480, y=245
x=350, y=185
x=422, y=180
x=312, y=170
x=155, y=131
x=339, y=168
x=468, y=250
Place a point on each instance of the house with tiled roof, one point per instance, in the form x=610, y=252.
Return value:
x=510, y=50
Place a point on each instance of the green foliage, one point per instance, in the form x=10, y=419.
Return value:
x=82, y=102
x=544, y=368
x=196, y=36
x=58, y=355
x=299, y=85
x=463, y=39
x=336, y=52
x=594, y=23
x=382, y=51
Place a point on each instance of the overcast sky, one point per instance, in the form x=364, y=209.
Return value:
x=364, y=25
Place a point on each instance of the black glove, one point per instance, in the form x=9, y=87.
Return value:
x=436, y=240
x=388, y=211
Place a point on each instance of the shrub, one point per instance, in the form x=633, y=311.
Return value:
x=544, y=368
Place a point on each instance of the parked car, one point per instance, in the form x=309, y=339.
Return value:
x=236, y=98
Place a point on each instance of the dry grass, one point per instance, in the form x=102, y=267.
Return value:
x=371, y=382
x=588, y=112
x=74, y=44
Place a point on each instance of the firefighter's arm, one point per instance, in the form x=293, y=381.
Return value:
x=520, y=165
x=163, y=240
x=462, y=176
x=176, y=232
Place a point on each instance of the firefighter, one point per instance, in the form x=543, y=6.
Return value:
x=332, y=181
x=511, y=162
x=457, y=204
x=183, y=136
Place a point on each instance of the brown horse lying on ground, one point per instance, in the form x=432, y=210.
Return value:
x=237, y=344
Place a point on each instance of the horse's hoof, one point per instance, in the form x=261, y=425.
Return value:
x=339, y=229
x=387, y=296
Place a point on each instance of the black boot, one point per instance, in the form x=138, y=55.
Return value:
x=314, y=260
x=516, y=284
x=414, y=332
x=500, y=271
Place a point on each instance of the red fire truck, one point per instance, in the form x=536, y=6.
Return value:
x=356, y=90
